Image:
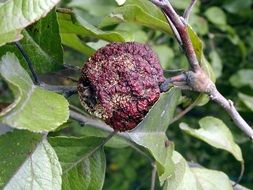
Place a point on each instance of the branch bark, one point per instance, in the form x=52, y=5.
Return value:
x=228, y=105
x=181, y=28
x=196, y=79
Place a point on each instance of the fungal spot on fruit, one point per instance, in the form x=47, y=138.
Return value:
x=120, y=83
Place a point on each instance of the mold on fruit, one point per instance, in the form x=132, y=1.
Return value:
x=120, y=83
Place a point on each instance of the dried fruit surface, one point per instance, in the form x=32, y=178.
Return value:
x=120, y=83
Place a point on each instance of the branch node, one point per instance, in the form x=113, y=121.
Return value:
x=231, y=103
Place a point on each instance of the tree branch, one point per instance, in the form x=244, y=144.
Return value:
x=181, y=27
x=196, y=79
x=228, y=105
x=188, y=10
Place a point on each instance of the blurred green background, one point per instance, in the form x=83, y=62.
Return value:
x=226, y=28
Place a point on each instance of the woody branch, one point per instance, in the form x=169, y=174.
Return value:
x=196, y=79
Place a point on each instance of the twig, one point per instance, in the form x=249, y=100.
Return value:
x=185, y=111
x=196, y=79
x=174, y=30
x=36, y=79
x=67, y=91
x=153, y=177
x=182, y=31
x=72, y=67
x=99, y=124
x=228, y=105
x=188, y=10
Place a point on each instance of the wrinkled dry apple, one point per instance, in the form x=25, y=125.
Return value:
x=120, y=83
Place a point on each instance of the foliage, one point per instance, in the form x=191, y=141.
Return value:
x=42, y=148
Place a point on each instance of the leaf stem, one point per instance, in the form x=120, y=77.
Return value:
x=153, y=177
x=241, y=175
x=36, y=79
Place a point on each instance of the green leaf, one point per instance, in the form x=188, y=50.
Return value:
x=70, y=25
x=247, y=100
x=27, y=161
x=92, y=8
x=185, y=177
x=150, y=133
x=212, y=180
x=72, y=40
x=88, y=175
x=83, y=165
x=216, y=16
x=198, y=48
x=197, y=44
x=165, y=55
x=98, y=44
x=238, y=7
x=182, y=177
x=138, y=11
x=42, y=43
x=183, y=4
x=199, y=24
x=15, y=147
x=135, y=32
x=242, y=78
x=48, y=110
x=216, y=63
x=214, y=132
x=91, y=131
x=156, y=122
x=17, y=14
